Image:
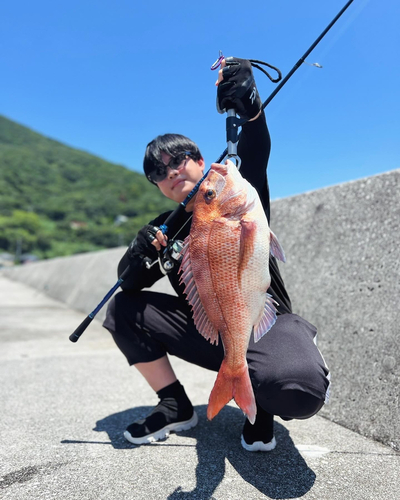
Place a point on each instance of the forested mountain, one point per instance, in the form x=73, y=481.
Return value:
x=56, y=200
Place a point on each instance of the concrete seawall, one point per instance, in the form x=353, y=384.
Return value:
x=343, y=275
x=80, y=281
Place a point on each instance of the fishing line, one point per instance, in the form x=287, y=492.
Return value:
x=355, y=13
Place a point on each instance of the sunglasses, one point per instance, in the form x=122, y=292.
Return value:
x=161, y=170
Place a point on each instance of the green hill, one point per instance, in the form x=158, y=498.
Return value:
x=56, y=200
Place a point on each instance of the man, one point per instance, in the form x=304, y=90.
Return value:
x=287, y=371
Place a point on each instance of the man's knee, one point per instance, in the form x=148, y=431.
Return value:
x=290, y=403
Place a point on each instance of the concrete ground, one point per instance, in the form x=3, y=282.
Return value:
x=64, y=407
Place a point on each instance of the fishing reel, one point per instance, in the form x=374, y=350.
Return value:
x=170, y=257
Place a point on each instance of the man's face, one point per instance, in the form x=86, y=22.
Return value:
x=178, y=183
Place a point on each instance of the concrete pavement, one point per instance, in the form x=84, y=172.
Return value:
x=65, y=406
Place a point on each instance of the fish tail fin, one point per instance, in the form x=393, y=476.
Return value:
x=232, y=385
x=244, y=395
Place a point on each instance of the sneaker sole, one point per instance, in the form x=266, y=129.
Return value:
x=259, y=445
x=164, y=432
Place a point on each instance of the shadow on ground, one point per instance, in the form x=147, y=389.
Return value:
x=282, y=473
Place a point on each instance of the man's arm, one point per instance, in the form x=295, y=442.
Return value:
x=237, y=90
x=253, y=149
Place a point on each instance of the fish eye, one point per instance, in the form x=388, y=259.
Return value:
x=210, y=194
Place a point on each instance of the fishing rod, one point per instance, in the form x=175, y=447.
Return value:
x=238, y=122
x=232, y=125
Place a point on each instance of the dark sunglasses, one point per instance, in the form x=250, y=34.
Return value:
x=161, y=170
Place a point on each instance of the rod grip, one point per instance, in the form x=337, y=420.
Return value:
x=74, y=337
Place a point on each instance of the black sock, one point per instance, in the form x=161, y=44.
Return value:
x=174, y=406
x=262, y=430
x=174, y=397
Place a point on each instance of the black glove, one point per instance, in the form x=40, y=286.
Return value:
x=142, y=244
x=238, y=89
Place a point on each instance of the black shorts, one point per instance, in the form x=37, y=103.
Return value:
x=288, y=373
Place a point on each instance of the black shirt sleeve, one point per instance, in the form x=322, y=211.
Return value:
x=253, y=149
x=139, y=276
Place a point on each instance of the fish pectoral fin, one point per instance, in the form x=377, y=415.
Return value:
x=200, y=318
x=247, y=241
x=268, y=318
x=276, y=248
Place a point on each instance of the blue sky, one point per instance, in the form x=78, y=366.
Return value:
x=108, y=76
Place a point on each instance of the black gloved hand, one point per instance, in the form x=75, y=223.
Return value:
x=238, y=89
x=142, y=244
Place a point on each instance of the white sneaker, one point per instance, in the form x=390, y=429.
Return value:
x=258, y=445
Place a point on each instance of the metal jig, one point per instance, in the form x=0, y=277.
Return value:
x=317, y=65
x=218, y=62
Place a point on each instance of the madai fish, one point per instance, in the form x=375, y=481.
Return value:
x=225, y=269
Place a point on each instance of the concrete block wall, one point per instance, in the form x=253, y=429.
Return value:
x=343, y=275
x=80, y=281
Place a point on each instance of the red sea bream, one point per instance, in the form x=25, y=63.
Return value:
x=225, y=269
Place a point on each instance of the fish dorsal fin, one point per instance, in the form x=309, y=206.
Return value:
x=200, y=318
x=268, y=318
x=275, y=248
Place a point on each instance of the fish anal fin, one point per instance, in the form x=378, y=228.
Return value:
x=204, y=325
x=276, y=248
x=267, y=320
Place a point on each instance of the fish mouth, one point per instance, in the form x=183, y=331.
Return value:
x=220, y=169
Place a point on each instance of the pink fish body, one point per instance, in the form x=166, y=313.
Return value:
x=225, y=268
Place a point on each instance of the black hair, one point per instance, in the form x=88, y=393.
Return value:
x=170, y=144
